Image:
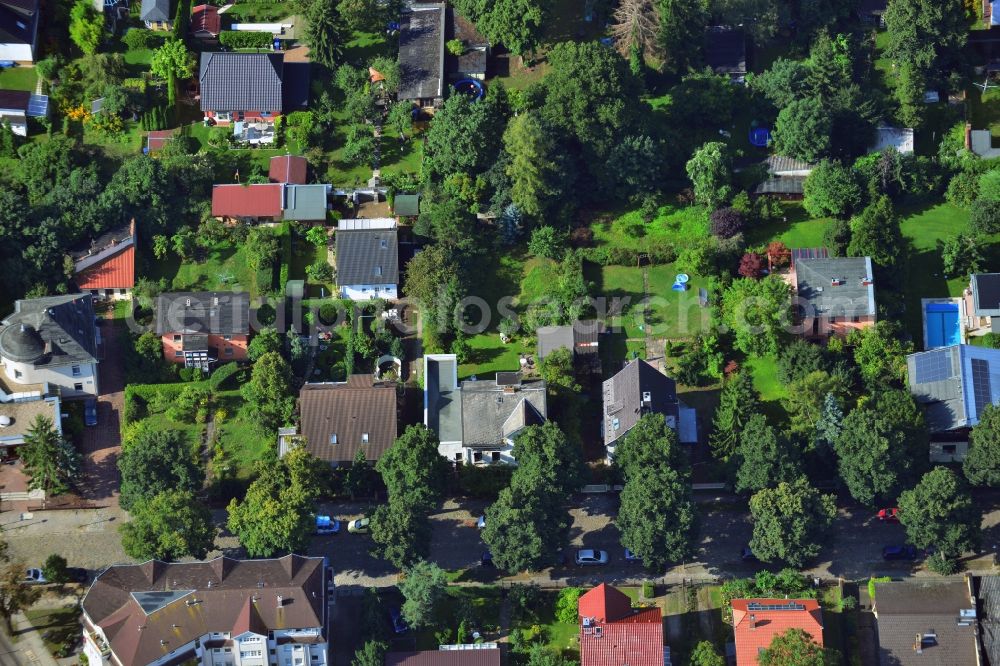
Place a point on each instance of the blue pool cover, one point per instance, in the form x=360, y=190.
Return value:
x=942, y=325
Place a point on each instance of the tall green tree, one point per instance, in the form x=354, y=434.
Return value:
x=324, y=33
x=466, y=136
x=880, y=353
x=875, y=457
x=875, y=233
x=276, y=514
x=424, y=587
x=517, y=24
x=15, y=595
x=372, y=653
x=546, y=458
x=709, y=171
x=795, y=647
x=649, y=443
x=982, y=463
x=765, y=458
x=657, y=517
x=784, y=82
x=925, y=33
x=402, y=533
x=790, y=522
x=172, y=60
x=803, y=130
x=806, y=399
x=539, y=171
x=86, y=26
x=940, y=512
x=51, y=462
x=738, y=402
x=412, y=469
x=361, y=479
x=269, y=392
x=527, y=526
x=831, y=189
x=169, y=526
x=155, y=461
x=682, y=32
x=758, y=313
x=705, y=654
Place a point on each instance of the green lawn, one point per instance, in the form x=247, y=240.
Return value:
x=305, y=254
x=237, y=435
x=59, y=628
x=984, y=109
x=540, y=276
x=673, y=225
x=138, y=59
x=220, y=266
x=796, y=230
x=256, y=12
x=675, y=315
x=18, y=78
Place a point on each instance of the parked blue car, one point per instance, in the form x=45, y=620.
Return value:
x=398, y=623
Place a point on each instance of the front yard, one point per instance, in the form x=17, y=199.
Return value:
x=18, y=78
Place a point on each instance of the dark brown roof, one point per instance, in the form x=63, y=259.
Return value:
x=344, y=413
x=14, y=99
x=485, y=657
x=149, y=610
x=941, y=613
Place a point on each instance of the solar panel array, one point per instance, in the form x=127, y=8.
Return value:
x=981, y=390
x=933, y=367
x=153, y=601
x=788, y=605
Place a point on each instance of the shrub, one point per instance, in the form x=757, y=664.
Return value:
x=455, y=47
x=223, y=373
x=963, y=189
x=871, y=585
x=985, y=217
x=319, y=271
x=245, y=40
x=567, y=605
x=138, y=38
x=648, y=590
x=989, y=185
x=727, y=222
x=941, y=565
x=189, y=404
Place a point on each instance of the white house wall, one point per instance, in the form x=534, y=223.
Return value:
x=367, y=292
x=61, y=376
x=16, y=52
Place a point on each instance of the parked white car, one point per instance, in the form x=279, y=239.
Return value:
x=591, y=557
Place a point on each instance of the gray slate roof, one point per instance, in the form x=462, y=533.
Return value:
x=726, y=50
x=367, y=256
x=156, y=10
x=17, y=21
x=442, y=397
x=986, y=294
x=305, y=202
x=52, y=331
x=581, y=338
x=407, y=205
x=817, y=295
x=421, y=51
x=491, y=413
x=241, y=81
x=623, y=398
x=782, y=185
x=931, y=610
x=954, y=384
x=218, y=313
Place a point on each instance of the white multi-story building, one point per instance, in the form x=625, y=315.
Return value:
x=52, y=342
x=222, y=612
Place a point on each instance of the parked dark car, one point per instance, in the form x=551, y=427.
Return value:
x=747, y=555
x=486, y=559
x=398, y=623
x=904, y=552
x=77, y=574
x=90, y=412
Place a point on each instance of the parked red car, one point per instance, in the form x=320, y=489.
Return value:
x=890, y=515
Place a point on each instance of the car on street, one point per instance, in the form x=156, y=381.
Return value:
x=481, y=522
x=896, y=552
x=632, y=557
x=747, y=555
x=34, y=576
x=358, y=526
x=486, y=559
x=90, y=412
x=398, y=623
x=888, y=515
x=588, y=557
x=327, y=525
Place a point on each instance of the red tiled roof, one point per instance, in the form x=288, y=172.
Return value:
x=636, y=640
x=288, y=169
x=753, y=636
x=115, y=272
x=247, y=200
x=205, y=18
x=605, y=604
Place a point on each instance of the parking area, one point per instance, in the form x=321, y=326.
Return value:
x=101, y=444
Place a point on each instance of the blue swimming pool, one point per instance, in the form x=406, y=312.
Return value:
x=942, y=325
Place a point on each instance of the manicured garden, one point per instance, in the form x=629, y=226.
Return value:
x=18, y=78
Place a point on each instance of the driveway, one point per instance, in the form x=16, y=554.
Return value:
x=101, y=444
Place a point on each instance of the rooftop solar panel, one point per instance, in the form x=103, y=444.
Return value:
x=981, y=389
x=38, y=106
x=790, y=605
x=154, y=601
x=933, y=367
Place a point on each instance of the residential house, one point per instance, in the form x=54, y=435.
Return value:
x=872, y=12
x=421, y=54
x=17, y=418
x=206, y=22
x=201, y=328
x=614, y=633
x=245, y=89
x=338, y=419
x=157, y=14
x=833, y=295
x=757, y=621
x=926, y=623
x=469, y=654
x=220, y=612
x=406, y=207
x=16, y=106
x=786, y=177
x=581, y=338
x=106, y=267
x=726, y=51
x=471, y=64
x=19, y=21
x=51, y=341
x=981, y=304
x=288, y=169
x=270, y=202
x=639, y=389
x=954, y=385
x=988, y=595
x=477, y=421
x=367, y=259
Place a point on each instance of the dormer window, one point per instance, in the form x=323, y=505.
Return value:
x=333, y=439
x=378, y=271
x=364, y=438
x=384, y=244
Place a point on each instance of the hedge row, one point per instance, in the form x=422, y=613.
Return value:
x=137, y=396
x=620, y=256
x=237, y=39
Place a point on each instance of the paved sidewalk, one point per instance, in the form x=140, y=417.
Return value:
x=29, y=649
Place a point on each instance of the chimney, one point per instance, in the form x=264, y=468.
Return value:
x=280, y=600
x=918, y=645
x=753, y=621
